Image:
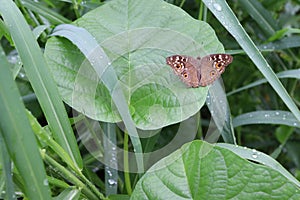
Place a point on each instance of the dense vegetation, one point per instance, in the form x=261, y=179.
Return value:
x=90, y=109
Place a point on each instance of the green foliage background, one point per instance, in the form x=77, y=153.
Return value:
x=49, y=156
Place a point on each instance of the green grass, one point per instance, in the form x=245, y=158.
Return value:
x=85, y=112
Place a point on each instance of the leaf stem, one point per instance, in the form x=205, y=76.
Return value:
x=71, y=177
x=126, y=164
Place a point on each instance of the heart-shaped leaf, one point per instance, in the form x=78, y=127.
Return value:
x=137, y=36
x=202, y=171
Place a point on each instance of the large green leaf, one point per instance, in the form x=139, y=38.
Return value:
x=137, y=36
x=202, y=171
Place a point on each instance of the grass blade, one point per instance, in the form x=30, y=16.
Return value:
x=266, y=117
x=294, y=73
x=49, y=14
x=110, y=156
x=225, y=15
x=39, y=75
x=19, y=138
x=217, y=104
x=262, y=16
x=6, y=171
x=285, y=43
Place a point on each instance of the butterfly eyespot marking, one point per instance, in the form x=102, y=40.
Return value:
x=219, y=65
x=179, y=65
x=185, y=75
x=212, y=73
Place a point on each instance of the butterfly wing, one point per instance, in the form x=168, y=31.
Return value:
x=178, y=63
x=212, y=66
x=190, y=76
x=186, y=68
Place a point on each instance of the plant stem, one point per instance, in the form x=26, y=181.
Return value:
x=70, y=177
x=126, y=164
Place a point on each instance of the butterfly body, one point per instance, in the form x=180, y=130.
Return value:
x=195, y=72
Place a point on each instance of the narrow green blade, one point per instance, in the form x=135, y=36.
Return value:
x=225, y=15
x=40, y=79
x=19, y=138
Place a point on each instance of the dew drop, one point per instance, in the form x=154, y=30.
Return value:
x=295, y=124
x=284, y=117
x=250, y=115
x=45, y=182
x=112, y=182
x=267, y=115
x=217, y=7
x=22, y=75
x=254, y=154
x=276, y=113
x=109, y=173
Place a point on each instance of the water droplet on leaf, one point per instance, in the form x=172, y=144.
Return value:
x=45, y=182
x=112, y=182
x=254, y=154
x=217, y=6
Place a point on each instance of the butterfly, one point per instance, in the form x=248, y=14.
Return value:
x=195, y=72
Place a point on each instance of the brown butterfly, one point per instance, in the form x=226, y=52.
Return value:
x=195, y=72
